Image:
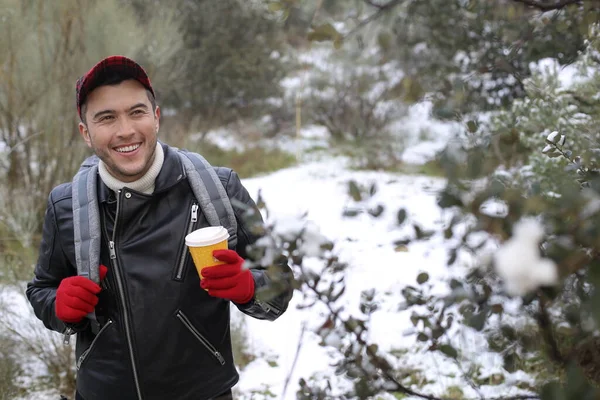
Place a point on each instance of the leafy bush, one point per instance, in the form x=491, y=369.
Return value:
x=474, y=55
x=250, y=161
x=233, y=55
x=352, y=103
x=570, y=110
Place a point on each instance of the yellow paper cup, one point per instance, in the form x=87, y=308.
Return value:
x=201, y=244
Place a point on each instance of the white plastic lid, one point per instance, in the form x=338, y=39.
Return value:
x=206, y=236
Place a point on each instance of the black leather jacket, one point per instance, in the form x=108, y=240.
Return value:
x=159, y=336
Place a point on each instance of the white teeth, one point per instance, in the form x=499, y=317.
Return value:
x=127, y=148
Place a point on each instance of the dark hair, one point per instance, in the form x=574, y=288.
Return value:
x=113, y=80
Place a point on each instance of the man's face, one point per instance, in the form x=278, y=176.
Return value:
x=121, y=128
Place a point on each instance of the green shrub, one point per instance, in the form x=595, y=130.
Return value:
x=430, y=168
x=9, y=369
x=240, y=343
x=228, y=68
x=16, y=261
x=19, y=237
x=454, y=393
x=356, y=110
x=251, y=161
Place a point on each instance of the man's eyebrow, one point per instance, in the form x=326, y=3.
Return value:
x=101, y=113
x=138, y=105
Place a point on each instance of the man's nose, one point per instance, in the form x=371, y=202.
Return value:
x=126, y=127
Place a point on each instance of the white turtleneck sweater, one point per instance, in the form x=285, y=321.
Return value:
x=145, y=184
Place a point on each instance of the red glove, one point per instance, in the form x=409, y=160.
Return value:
x=76, y=297
x=228, y=281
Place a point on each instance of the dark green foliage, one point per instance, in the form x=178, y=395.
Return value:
x=474, y=55
x=229, y=66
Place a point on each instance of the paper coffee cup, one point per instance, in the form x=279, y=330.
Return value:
x=201, y=244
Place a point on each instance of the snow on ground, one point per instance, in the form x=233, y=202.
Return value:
x=19, y=322
x=320, y=190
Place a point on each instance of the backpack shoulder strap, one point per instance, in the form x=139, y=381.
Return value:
x=86, y=225
x=86, y=222
x=210, y=193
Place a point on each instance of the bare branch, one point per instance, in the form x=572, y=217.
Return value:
x=549, y=6
x=381, y=10
x=298, y=348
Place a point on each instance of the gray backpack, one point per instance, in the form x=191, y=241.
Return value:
x=206, y=185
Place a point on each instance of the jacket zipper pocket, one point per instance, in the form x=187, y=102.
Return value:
x=184, y=251
x=84, y=355
x=267, y=307
x=187, y=323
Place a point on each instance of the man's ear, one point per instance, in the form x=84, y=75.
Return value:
x=157, y=118
x=85, y=134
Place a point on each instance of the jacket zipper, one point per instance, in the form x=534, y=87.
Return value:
x=115, y=265
x=186, y=322
x=184, y=253
x=67, y=336
x=87, y=351
x=267, y=307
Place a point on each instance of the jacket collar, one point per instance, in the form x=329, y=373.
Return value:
x=171, y=173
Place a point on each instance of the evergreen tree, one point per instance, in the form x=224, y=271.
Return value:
x=233, y=59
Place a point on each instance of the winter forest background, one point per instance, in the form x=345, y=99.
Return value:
x=431, y=170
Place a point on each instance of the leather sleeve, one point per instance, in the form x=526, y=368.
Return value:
x=275, y=281
x=51, y=268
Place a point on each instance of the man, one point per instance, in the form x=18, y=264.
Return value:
x=150, y=328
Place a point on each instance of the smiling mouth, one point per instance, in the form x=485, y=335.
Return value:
x=127, y=149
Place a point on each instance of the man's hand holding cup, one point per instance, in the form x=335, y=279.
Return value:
x=230, y=280
x=221, y=270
